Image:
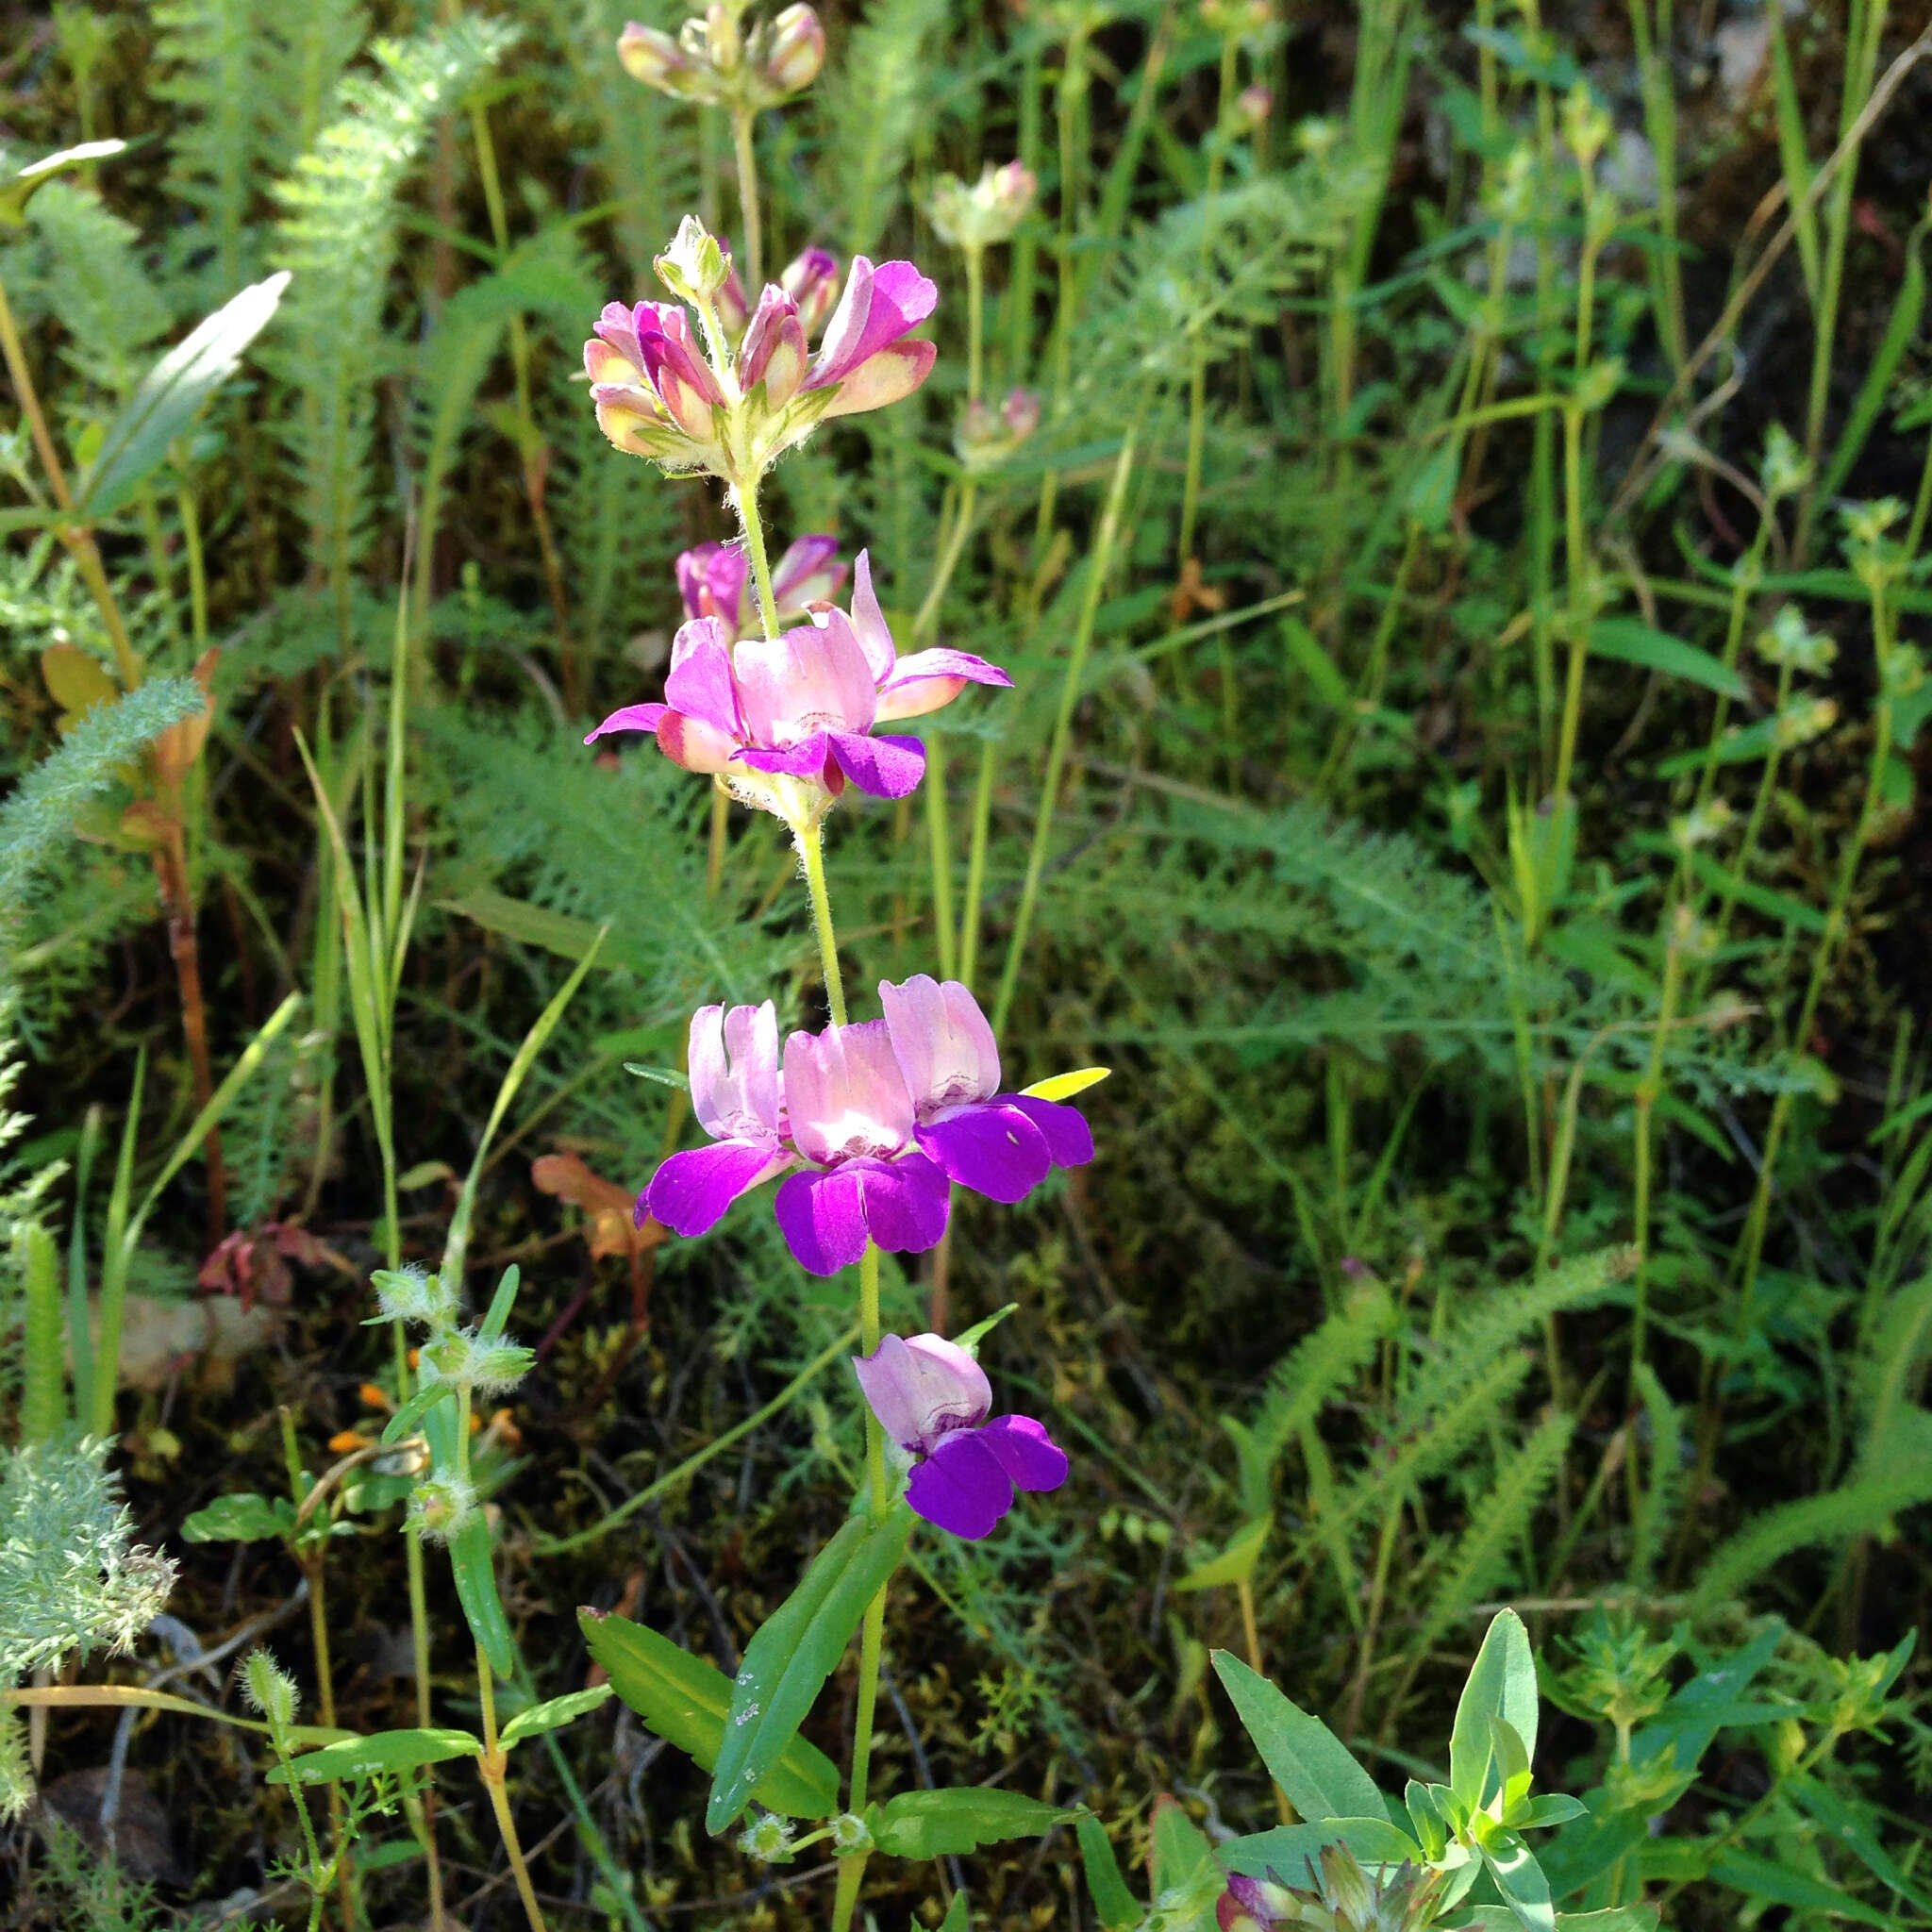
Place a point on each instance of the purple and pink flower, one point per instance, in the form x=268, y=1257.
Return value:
x=802, y=703
x=931, y=1398
x=876, y=1117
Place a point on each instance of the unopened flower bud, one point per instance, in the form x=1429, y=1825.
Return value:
x=769, y=1837
x=1318, y=137
x=695, y=266
x=466, y=1361
x=1236, y=17
x=1585, y=125
x=407, y=1294
x=1700, y=826
x=986, y=436
x=987, y=212
x=441, y=1507
x=723, y=41
x=270, y=1690
x=1790, y=641
x=1799, y=723
x=1784, y=471
x=1254, y=104
x=793, y=47
x=811, y=280
x=850, y=1834
x=654, y=58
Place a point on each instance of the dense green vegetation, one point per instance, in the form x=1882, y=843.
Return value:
x=1449, y=488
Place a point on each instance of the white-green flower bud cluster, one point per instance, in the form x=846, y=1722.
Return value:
x=465, y=1358
x=409, y=1294
x=767, y=1838
x=1790, y=641
x=441, y=1506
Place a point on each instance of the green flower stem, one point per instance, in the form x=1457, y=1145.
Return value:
x=1751, y=1247
x=1063, y=722
x=976, y=323
x=1580, y=604
x=975, y=860
x=811, y=841
x=1197, y=379
x=748, y=201
x=940, y=843
x=746, y=497
x=491, y=1766
x=1678, y=925
x=939, y=827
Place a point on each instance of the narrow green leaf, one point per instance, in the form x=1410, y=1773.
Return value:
x=386, y=1752
x=1286, y=1847
x=1306, y=653
x=1116, y=1907
x=403, y=1422
x=1852, y=1827
x=928, y=1825
x=1188, y=1878
x=530, y=925
x=553, y=1715
x=956, y=1919
x=501, y=1303
x=164, y=404
x=1763, y=1880
x=1631, y=642
x=476, y=1576
x=796, y=1650
x=1521, y=1880
x=1304, y=1757
x=1501, y=1683
x=686, y=1702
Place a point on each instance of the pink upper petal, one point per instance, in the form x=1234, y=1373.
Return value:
x=921, y=1388
x=699, y=683
x=924, y=681
x=869, y=621
x=810, y=680
x=711, y=579
x=734, y=1072
x=942, y=1042
x=628, y=718
x=880, y=305
x=845, y=1095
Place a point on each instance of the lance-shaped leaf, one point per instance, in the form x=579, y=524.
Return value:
x=1501, y=1683
x=928, y=1825
x=796, y=1650
x=1114, y=1905
x=553, y=1715
x=1304, y=1757
x=169, y=395
x=686, y=1702
x=387, y=1752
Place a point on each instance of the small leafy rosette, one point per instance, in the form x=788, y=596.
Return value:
x=932, y=1399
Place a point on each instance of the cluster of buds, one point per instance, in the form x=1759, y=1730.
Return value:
x=1253, y=106
x=467, y=1362
x=1340, y=1896
x=986, y=436
x=1247, y=20
x=988, y=211
x=714, y=62
x=730, y=408
x=1790, y=641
